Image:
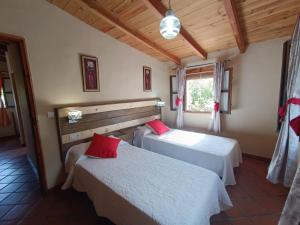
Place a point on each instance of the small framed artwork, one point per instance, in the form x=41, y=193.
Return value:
x=90, y=73
x=147, y=79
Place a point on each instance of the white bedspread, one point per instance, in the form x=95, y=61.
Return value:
x=215, y=153
x=141, y=187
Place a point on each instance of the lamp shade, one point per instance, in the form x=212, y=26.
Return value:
x=74, y=116
x=160, y=103
x=169, y=25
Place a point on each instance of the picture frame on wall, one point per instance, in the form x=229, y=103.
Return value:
x=90, y=73
x=147, y=79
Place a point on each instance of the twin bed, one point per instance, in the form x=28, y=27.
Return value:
x=141, y=186
x=214, y=153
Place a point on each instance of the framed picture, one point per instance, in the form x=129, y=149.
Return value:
x=147, y=80
x=90, y=73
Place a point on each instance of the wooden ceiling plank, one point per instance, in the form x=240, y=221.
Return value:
x=232, y=14
x=159, y=10
x=105, y=15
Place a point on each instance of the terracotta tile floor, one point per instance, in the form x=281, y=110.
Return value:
x=19, y=188
x=256, y=201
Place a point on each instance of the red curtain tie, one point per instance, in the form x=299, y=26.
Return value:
x=282, y=110
x=216, y=106
x=295, y=124
x=178, y=101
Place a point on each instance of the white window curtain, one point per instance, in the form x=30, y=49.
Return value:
x=291, y=211
x=181, y=73
x=284, y=161
x=215, y=123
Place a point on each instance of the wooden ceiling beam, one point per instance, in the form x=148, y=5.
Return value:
x=232, y=13
x=109, y=18
x=159, y=10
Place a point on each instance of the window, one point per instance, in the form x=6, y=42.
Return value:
x=173, y=92
x=199, y=92
x=225, y=103
x=6, y=92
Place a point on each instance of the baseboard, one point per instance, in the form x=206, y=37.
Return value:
x=246, y=155
x=5, y=138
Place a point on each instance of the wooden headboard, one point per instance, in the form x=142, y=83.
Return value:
x=118, y=118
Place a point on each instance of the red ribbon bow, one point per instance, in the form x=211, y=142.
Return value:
x=294, y=123
x=282, y=110
x=178, y=101
x=216, y=106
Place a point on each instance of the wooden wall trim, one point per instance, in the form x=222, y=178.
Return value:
x=117, y=118
x=105, y=129
x=105, y=108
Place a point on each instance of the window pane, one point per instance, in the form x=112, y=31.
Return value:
x=225, y=83
x=174, y=96
x=199, y=95
x=2, y=99
x=174, y=84
x=224, y=102
x=10, y=100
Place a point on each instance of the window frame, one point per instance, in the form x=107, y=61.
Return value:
x=193, y=77
x=172, y=107
x=202, y=71
x=198, y=72
x=229, y=91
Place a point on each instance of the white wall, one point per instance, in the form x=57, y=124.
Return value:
x=54, y=41
x=256, y=82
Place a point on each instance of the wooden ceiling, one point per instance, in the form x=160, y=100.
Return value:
x=207, y=25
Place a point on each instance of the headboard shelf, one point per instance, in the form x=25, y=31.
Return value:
x=105, y=118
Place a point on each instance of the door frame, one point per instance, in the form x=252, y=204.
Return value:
x=31, y=104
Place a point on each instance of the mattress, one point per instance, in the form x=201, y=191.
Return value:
x=142, y=187
x=214, y=153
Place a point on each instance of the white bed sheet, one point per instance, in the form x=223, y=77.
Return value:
x=214, y=153
x=141, y=187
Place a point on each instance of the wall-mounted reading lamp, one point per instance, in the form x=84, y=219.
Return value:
x=74, y=116
x=160, y=103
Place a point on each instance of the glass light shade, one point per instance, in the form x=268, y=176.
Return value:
x=74, y=116
x=169, y=25
x=160, y=103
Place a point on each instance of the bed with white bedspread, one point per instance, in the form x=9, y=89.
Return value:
x=142, y=187
x=214, y=153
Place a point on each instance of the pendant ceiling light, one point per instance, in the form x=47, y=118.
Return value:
x=170, y=24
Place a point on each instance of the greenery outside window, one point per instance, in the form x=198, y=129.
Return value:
x=199, y=95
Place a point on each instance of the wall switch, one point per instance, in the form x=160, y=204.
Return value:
x=50, y=114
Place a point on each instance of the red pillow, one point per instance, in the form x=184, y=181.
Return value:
x=103, y=147
x=157, y=127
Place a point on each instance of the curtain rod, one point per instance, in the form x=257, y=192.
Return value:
x=205, y=64
x=200, y=65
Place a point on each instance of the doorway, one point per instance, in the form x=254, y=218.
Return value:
x=20, y=104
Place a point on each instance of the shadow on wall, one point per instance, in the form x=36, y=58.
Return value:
x=252, y=143
x=255, y=143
